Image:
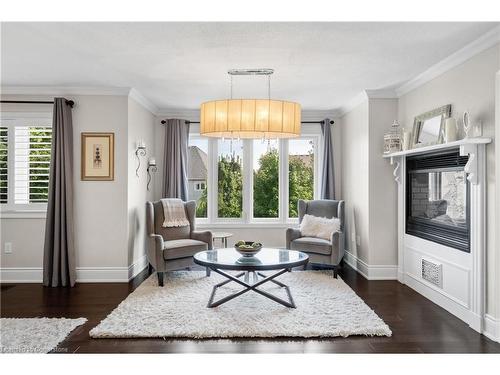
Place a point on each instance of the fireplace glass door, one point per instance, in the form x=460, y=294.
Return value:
x=437, y=200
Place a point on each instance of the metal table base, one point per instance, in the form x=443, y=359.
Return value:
x=248, y=286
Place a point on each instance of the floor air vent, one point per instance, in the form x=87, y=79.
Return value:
x=432, y=272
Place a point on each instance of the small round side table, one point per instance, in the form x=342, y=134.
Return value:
x=223, y=236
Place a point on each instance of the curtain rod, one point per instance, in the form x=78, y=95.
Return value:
x=302, y=122
x=71, y=103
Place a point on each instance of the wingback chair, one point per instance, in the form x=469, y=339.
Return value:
x=320, y=251
x=172, y=248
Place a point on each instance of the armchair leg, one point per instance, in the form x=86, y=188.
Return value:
x=335, y=271
x=160, y=278
x=208, y=271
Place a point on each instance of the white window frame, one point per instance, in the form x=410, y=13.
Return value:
x=11, y=120
x=312, y=132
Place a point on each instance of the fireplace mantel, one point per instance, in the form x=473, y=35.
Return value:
x=468, y=146
x=462, y=291
x=441, y=146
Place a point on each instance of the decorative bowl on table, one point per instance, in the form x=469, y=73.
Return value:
x=248, y=248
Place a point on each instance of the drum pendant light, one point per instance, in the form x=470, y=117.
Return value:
x=250, y=118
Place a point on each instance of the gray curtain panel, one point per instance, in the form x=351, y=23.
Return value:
x=175, y=184
x=327, y=174
x=59, y=247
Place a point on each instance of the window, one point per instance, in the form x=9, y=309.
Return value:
x=254, y=180
x=266, y=171
x=198, y=174
x=300, y=172
x=199, y=186
x=25, y=148
x=229, y=178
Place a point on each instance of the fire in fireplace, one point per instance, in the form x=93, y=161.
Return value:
x=437, y=199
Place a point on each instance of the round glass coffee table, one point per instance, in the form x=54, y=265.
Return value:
x=268, y=259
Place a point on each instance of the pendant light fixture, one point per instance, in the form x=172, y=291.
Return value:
x=250, y=118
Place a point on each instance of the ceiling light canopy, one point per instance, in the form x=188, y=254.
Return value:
x=250, y=118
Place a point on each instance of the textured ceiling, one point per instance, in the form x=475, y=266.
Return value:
x=180, y=65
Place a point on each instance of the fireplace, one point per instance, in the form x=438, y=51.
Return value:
x=437, y=199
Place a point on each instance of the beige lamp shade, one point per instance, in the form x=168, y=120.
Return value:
x=250, y=118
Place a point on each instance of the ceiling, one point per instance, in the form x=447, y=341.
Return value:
x=180, y=65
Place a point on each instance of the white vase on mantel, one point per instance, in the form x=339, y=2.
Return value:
x=450, y=130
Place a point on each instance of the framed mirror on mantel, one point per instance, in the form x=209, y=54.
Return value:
x=428, y=127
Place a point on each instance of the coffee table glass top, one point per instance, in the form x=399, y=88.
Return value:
x=266, y=259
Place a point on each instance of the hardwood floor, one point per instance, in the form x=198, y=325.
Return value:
x=418, y=325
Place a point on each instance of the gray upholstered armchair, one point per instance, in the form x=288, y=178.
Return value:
x=172, y=248
x=320, y=251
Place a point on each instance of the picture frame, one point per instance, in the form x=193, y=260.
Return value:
x=428, y=127
x=98, y=156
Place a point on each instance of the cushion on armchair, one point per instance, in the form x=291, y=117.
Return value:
x=182, y=248
x=319, y=227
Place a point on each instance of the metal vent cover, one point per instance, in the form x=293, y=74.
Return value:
x=432, y=272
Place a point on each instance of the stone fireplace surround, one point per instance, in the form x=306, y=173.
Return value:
x=461, y=287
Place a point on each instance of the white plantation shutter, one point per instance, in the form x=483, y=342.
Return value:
x=4, y=177
x=32, y=162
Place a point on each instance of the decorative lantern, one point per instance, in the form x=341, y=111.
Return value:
x=392, y=139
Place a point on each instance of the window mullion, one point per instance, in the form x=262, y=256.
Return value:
x=213, y=181
x=283, y=181
x=317, y=167
x=247, y=180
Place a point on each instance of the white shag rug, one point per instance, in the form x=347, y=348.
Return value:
x=34, y=335
x=326, y=307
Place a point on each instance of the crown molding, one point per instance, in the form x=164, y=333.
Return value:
x=63, y=90
x=381, y=94
x=319, y=114
x=353, y=103
x=479, y=45
x=142, y=100
x=182, y=113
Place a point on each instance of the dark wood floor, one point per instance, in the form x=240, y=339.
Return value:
x=418, y=325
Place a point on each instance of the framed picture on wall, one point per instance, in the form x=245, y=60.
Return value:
x=98, y=156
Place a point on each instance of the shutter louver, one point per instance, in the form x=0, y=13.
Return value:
x=32, y=163
x=4, y=180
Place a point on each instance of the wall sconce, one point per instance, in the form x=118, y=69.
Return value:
x=151, y=168
x=139, y=151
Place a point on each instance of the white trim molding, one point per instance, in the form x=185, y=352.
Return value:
x=492, y=328
x=63, y=90
x=142, y=100
x=479, y=45
x=83, y=274
x=363, y=96
x=371, y=271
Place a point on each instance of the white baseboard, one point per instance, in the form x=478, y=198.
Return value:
x=137, y=267
x=492, y=328
x=21, y=275
x=371, y=272
x=83, y=274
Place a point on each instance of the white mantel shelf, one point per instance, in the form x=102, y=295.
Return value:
x=441, y=146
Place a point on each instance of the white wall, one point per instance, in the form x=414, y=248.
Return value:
x=382, y=189
x=140, y=126
x=368, y=189
x=105, y=226
x=469, y=86
x=354, y=179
